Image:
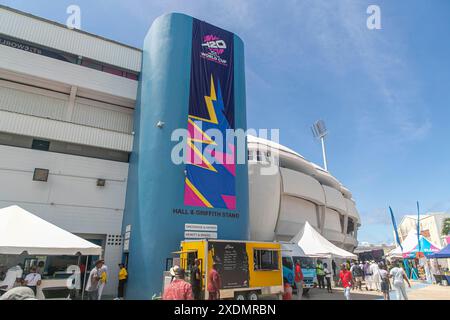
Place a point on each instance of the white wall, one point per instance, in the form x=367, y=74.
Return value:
x=335, y=199
x=48, y=104
x=62, y=38
x=41, y=67
x=293, y=214
x=264, y=192
x=70, y=199
x=301, y=185
x=332, y=220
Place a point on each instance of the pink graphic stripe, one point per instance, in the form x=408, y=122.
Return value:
x=230, y=202
x=190, y=198
x=225, y=159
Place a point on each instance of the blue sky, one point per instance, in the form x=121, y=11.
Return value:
x=384, y=94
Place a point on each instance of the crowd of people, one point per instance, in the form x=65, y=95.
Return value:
x=14, y=278
x=373, y=276
x=353, y=275
x=376, y=276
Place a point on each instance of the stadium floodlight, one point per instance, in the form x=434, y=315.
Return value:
x=319, y=131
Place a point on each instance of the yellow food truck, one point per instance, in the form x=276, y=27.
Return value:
x=247, y=269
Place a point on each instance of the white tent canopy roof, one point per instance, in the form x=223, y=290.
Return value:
x=315, y=245
x=22, y=231
x=408, y=244
x=292, y=249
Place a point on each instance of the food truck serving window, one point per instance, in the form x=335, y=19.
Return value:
x=266, y=259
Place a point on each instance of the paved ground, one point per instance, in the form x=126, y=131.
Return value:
x=418, y=291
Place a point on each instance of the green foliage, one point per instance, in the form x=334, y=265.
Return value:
x=446, y=227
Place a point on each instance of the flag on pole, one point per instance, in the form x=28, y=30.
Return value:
x=418, y=227
x=394, y=224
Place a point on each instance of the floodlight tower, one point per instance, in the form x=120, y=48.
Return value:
x=319, y=131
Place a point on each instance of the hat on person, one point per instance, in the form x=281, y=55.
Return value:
x=19, y=293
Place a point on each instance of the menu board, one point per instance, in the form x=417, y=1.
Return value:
x=232, y=263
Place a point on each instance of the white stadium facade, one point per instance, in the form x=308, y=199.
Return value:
x=67, y=101
x=298, y=191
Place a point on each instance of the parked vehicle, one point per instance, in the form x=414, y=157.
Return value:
x=291, y=253
x=247, y=269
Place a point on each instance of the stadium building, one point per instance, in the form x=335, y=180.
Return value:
x=298, y=191
x=67, y=113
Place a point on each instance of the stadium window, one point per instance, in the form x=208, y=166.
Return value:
x=91, y=64
x=258, y=156
x=350, y=226
x=42, y=145
x=113, y=71
x=250, y=155
x=265, y=260
x=132, y=76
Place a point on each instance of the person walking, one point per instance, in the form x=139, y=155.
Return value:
x=398, y=276
x=327, y=277
x=385, y=283
x=196, y=280
x=103, y=278
x=33, y=279
x=214, y=283
x=320, y=274
x=299, y=280
x=178, y=289
x=361, y=265
x=123, y=276
x=367, y=276
x=346, y=279
x=93, y=281
x=376, y=280
x=357, y=274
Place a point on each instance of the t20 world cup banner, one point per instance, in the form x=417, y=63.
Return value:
x=210, y=159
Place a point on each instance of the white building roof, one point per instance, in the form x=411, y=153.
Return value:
x=272, y=144
x=317, y=172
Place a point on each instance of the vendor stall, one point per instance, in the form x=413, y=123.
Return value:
x=25, y=235
x=314, y=244
x=442, y=254
x=411, y=247
x=441, y=276
x=415, y=250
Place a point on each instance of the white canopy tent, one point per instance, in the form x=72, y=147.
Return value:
x=293, y=249
x=410, y=245
x=22, y=231
x=315, y=245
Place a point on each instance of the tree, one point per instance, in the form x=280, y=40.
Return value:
x=446, y=227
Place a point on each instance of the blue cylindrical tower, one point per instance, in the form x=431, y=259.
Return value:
x=192, y=78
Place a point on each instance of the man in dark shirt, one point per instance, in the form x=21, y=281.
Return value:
x=196, y=280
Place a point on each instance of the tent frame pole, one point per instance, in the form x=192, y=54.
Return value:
x=85, y=278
